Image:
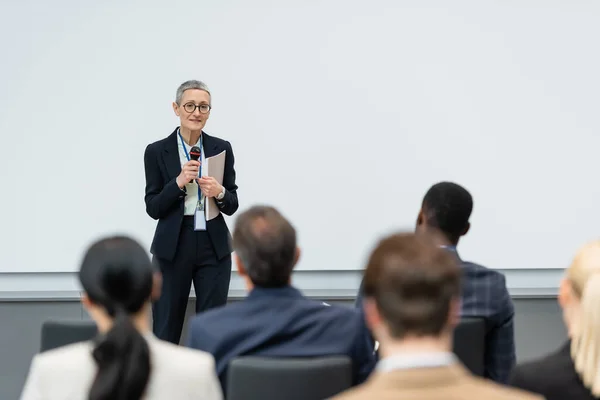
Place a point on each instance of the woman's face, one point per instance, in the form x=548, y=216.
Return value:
x=194, y=110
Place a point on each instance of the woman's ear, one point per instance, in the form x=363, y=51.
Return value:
x=85, y=301
x=565, y=293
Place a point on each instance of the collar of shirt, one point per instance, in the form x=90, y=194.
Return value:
x=416, y=360
x=272, y=292
x=187, y=146
x=449, y=248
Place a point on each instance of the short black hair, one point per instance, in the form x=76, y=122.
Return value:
x=266, y=243
x=447, y=206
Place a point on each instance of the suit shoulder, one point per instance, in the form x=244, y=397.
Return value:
x=356, y=393
x=330, y=309
x=182, y=372
x=477, y=275
x=182, y=358
x=533, y=375
x=64, y=357
x=212, y=321
x=535, y=367
x=472, y=267
x=219, y=140
x=549, y=362
x=159, y=144
x=491, y=390
x=336, y=315
x=75, y=350
x=217, y=315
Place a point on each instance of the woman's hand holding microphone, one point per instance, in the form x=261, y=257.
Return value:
x=209, y=185
x=189, y=172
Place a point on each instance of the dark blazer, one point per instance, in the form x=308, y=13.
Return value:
x=165, y=201
x=553, y=376
x=281, y=322
x=484, y=295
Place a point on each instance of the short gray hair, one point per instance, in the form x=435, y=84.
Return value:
x=187, y=85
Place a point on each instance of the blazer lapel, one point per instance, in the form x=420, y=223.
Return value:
x=171, y=152
x=171, y=156
x=211, y=147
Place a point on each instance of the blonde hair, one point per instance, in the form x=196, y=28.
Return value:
x=584, y=275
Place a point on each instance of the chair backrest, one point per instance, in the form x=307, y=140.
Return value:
x=61, y=333
x=469, y=344
x=251, y=378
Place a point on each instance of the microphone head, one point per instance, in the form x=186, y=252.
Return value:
x=195, y=153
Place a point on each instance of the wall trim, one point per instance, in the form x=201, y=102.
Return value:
x=321, y=284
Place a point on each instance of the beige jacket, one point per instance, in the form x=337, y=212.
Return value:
x=451, y=382
x=178, y=373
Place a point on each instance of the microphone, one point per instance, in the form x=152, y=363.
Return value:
x=195, y=155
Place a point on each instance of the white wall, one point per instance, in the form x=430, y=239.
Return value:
x=341, y=113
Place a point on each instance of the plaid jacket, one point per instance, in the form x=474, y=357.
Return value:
x=485, y=296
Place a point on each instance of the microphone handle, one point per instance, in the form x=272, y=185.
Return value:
x=193, y=159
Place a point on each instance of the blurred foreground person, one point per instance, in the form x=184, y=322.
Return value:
x=445, y=213
x=573, y=372
x=412, y=304
x=276, y=320
x=126, y=361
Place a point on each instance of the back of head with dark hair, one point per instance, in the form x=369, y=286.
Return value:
x=413, y=282
x=116, y=274
x=266, y=243
x=447, y=207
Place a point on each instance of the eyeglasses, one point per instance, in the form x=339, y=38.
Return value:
x=191, y=108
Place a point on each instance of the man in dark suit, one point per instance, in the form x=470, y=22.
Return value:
x=446, y=210
x=187, y=247
x=276, y=320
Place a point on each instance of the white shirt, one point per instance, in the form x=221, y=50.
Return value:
x=191, y=198
x=416, y=360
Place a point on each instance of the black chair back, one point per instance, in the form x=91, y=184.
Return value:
x=257, y=378
x=469, y=344
x=61, y=333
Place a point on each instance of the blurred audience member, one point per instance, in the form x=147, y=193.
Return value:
x=573, y=372
x=412, y=304
x=446, y=210
x=276, y=320
x=126, y=361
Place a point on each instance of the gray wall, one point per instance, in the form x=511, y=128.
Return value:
x=28, y=299
x=539, y=329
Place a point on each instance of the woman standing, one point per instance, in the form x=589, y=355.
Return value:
x=188, y=248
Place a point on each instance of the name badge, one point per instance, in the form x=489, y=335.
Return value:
x=199, y=220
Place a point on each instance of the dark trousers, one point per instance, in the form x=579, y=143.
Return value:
x=195, y=262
